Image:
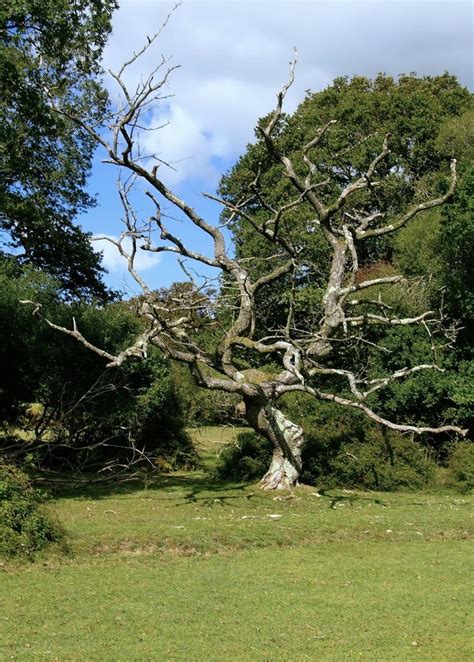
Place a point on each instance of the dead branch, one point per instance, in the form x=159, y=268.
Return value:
x=301, y=353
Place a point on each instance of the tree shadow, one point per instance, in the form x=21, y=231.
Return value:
x=199, y=487
x=350, y=499
x=226, y=493
x=188, y=487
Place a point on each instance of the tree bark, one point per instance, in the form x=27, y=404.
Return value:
x=287, y=439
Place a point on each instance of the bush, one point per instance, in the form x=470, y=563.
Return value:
x=158, y=420
x=248, y=458
x=461, y=466
x=379, y=461
x=25, y=527
x=75, y=415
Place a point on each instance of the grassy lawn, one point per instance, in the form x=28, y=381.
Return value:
x=191, y=570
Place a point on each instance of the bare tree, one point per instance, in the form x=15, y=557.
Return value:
x=304, y=357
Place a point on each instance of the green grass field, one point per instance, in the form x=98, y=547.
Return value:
x=191, y=570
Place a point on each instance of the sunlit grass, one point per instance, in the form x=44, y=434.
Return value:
x=190, y=569
x=338, y=601
x=187, y=512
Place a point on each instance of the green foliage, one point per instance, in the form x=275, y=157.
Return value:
x=18, y=375
x=344, y=449
x=429, y=121
x=456, y=249
x=461, y=466
x=25, y=527
x=417, y=256
x=413, y=110
x=337, y=454
x=246, y=459
x=157, y=418
x=366, y=459
x=45, y=158
x=203, y=407
x=85, y=416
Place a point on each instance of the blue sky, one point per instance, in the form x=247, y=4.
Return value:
x=234, y=58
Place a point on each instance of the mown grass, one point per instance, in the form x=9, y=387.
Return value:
x=343, y=601
x=187, y=569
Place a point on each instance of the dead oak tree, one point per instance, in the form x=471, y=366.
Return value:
x=306, y=359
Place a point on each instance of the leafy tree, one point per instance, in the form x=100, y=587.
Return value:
x=419, y=113
x=429, y=120
x=438, y=252
x=50, y=49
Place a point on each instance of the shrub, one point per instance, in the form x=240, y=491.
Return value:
x=248, y=458
x=25, y=527
x=77, y=415
x=373, y=460
x=461, y=466
x=343, y=449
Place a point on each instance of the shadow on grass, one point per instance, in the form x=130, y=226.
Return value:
x=334, y=499
x=351, y=499
x=188, y=487
x=200, y=487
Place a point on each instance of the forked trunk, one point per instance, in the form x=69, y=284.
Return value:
x=287, y=440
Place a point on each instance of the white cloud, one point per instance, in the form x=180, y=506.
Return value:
x=234, y=58
x=115, y=263
x=184, y=143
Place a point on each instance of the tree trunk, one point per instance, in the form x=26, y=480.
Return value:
x=287, y=440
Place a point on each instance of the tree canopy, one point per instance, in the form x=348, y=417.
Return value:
x=50, y=48
x=427, y=120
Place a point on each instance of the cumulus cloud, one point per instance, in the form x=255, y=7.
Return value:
x=185, y=143
x=234, y=57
